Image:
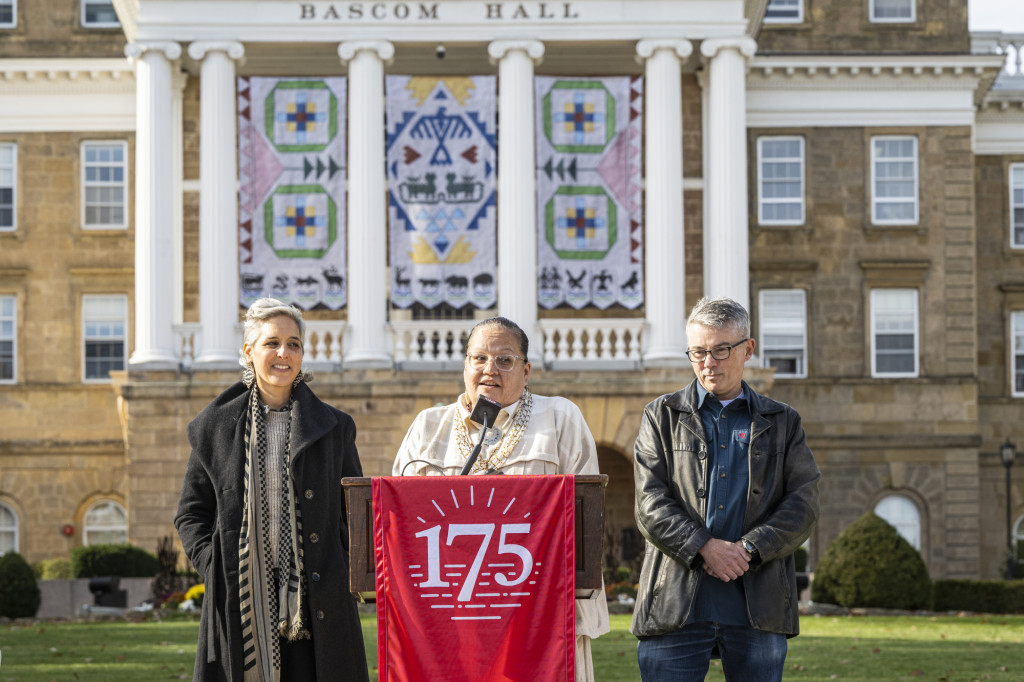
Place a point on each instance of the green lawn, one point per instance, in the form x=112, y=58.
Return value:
x=854, y=649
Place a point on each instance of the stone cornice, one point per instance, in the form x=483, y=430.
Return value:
x=874, y=71
x=63, y=72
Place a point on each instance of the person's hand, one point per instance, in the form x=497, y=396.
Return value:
x=725, y=560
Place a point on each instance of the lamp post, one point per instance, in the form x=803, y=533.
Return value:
x=1007, y=453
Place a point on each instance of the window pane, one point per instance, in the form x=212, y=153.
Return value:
x=7, y=16
x=1017, y=205
x=783, y=11
x=783, y=330
x=894, y=331
x=99, y=12
x=1017, y=357
x=781, y=180
x=7, y=185
x=902, y=514
x=104, y=324
x=104, y=186
x=8, y=530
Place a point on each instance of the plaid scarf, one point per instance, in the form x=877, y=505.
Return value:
x=272, y=597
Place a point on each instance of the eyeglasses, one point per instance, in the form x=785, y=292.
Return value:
x=504, y=363
x=718, y=353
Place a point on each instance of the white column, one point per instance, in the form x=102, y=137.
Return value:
x=726, y=246
x=177, y=193
x=155, y=346
x=517, y=186
x=664, y=252
x=218, y=204
x=367, y=342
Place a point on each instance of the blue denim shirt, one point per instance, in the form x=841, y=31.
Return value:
x=727, y=430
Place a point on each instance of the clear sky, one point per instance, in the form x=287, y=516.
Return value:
x=996, y=15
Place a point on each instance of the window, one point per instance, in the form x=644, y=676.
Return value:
x=1017, y=354
x=894, y=180
x=104, y=320
x=106, y=523
x=8, y=174
x=8, y=15
x=903, y=515
x=99, y=14
x=892, y=11
x=8, y=340
x=780, y=180
x=1017, y=205
x=8, y=530
x=894, y=333
x=104, y=185
x=784, y=12
x=783, y=333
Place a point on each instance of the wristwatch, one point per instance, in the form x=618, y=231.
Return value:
x=751, y=550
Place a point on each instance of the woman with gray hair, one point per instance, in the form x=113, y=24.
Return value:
x=262, y=518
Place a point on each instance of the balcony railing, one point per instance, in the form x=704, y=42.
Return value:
x=592, y=343
x=603, y=343
x=436, y=344
x=1009, y=44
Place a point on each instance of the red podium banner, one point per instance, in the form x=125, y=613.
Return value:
x=474, y=578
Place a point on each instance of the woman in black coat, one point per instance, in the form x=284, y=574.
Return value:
x=270, y=545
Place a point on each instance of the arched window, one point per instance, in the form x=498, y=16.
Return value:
x=106, y=522
x=900, y=512
x=8, y=529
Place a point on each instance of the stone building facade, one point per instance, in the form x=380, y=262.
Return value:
x=934, y=285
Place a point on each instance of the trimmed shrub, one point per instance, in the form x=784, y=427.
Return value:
x=19, y=593
x=125, y=561
x=54, y=569
x=800, y=559
x=869, y=564
x=983, y=596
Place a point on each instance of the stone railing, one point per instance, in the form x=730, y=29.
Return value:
x=323, y=343
x=434, y=344
x=187, y=335
x=1009, y=44
x=604, y=343
x=592, y=343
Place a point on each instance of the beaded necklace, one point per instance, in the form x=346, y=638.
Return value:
x=509, y=440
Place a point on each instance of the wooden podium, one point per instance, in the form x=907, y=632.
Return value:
x=589, y=515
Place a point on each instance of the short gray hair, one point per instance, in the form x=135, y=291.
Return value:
x=720, y=313
x=260, y=311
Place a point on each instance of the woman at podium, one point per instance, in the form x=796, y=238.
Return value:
x=531, y=434
x=262, y=518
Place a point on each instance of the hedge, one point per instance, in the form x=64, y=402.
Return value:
x=982, y=596
x=125, y=561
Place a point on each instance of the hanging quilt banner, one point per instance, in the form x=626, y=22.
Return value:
x=589, y=244
x=291, y=163
x=441, y=214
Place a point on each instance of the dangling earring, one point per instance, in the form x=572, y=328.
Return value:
x=249, y=375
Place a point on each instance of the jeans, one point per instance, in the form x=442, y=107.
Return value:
x=748, y=655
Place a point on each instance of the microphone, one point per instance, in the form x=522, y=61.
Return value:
x=484, y=412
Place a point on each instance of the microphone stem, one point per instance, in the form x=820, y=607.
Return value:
x=476, y=451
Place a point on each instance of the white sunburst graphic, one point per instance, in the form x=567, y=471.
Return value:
x=498, y=579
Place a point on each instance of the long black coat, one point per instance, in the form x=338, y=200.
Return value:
x=210, y=516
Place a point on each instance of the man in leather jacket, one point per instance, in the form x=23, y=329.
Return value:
x=726, y=491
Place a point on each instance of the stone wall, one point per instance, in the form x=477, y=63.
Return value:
x=54, y=29
x=844, y=27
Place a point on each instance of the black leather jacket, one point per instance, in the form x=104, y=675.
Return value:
x=671, y=477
